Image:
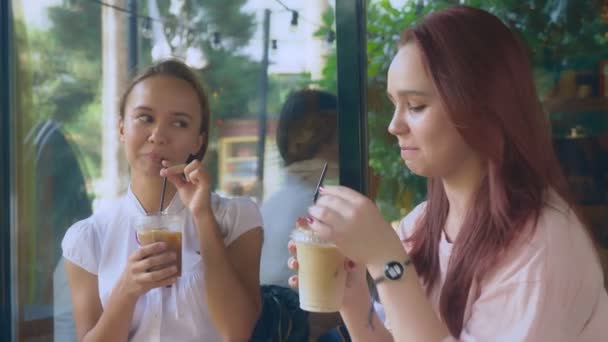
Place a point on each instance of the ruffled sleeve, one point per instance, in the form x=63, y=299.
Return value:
x=240, y=215
x=80, y=246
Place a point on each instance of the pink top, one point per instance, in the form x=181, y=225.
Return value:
x=549, y=289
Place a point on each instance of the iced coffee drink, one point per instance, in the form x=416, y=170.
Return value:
x=162, y=228
x=321, y=272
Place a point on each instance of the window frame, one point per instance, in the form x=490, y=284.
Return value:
x=351, y=45
x=6, y=188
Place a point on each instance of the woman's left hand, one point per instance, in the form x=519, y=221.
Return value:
x=353, y=222
x=193, y=185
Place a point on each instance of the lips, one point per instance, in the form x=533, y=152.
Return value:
x=408, y=152
x=154, y=156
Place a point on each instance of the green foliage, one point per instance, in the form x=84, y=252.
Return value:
x=561, y=34
x=329, y=79
x=66, y=66
x=231, y=78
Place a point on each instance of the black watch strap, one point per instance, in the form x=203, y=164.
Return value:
x=393, y=270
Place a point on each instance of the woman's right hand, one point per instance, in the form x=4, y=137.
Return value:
x=356, y=281
x=149, y=267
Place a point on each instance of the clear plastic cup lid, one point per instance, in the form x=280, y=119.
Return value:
x=308, y=236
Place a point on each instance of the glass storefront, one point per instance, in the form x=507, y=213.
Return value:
x=259, y=61
x=65, y=64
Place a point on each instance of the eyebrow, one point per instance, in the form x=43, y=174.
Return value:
x=182, y=114
x=406, y=92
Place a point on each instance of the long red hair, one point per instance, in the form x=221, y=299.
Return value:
x=482, y=74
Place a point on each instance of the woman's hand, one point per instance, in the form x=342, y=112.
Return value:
x=353, y=223
x=149, y=267
x=193, y=185
x=356, y=283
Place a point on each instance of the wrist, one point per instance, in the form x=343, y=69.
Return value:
x=126, y=296
x=395, y=253
x=203, y=214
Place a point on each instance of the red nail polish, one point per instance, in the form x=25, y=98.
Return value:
x=350, y=264
x=301, y=221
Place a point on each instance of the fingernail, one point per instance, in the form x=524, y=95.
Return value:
x=300, y=221
x=310, y=220
x=350, y=264
x=321, y=188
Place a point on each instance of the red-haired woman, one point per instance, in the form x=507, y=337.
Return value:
x=497, y=252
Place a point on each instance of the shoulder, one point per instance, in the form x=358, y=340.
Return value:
x=559, y=249
x=408, y=223
x=235, y=216
x=81, y=228
x=80, y=244
x=233, y=208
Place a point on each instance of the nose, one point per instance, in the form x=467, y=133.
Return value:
x=158, y=135
x=398, y=124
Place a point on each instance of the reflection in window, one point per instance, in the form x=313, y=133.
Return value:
x=72, y=67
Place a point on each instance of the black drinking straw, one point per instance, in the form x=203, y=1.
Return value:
x=162, y=194
x=316, y=196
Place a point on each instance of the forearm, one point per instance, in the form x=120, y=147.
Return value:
x=115, y=320
x=408, y=310
x=235, y=314
x=355, y=314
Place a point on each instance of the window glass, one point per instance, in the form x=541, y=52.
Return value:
x=72, y=67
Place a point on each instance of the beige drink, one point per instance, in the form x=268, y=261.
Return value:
x=162, y=228
x=173, y=240
x=321, y=273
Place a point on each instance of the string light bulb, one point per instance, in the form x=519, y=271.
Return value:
x=217, y=39
x=294, y=18
x=331, y=36
x=146, y=28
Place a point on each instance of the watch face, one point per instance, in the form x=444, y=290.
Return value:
x=393, y=270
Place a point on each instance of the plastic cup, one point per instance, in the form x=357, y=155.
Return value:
x=321, y=273
x=162, y=228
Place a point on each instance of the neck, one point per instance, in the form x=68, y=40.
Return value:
x=148, y=191
x=460, y=188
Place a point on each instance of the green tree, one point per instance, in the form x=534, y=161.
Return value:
x=65, y=70
x=561, y=34
x=221, y=29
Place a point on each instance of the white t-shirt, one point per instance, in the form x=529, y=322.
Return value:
x=102, y=243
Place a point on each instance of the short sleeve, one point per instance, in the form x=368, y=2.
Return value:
x=408, y=223
x=240, y=216
x=80, y=246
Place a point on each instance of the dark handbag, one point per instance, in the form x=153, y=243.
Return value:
x=281, y=320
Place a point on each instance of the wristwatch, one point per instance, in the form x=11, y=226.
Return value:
x=393, y=270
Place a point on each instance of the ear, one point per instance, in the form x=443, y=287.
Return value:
x=121, y=129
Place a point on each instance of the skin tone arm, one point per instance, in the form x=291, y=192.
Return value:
x=358, y=229
x=233, y=269
x=93, y=323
